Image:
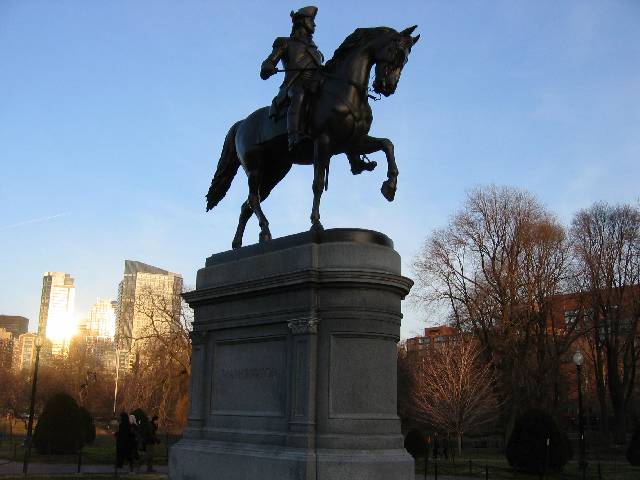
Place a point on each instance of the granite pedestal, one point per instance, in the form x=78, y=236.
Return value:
x=294, y=362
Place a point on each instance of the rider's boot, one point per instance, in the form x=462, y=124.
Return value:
x=293, y=123
x=359, y=164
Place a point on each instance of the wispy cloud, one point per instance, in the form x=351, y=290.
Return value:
x=35, y=220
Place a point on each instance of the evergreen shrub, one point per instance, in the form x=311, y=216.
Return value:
x=415, y=444
x=527, y=449
x=62, y=427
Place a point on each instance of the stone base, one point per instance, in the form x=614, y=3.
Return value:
x=293, y=367
x=199, y=459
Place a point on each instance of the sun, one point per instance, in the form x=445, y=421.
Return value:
x=61, y=326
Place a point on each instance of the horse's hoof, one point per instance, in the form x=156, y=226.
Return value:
x=264, y=237
x=388, y=191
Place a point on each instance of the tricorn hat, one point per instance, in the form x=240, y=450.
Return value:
x=304, y=12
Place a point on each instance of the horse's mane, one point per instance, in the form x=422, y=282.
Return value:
x=358, y=36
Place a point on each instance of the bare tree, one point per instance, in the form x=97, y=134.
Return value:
x=497, y=266
x=607, y=266
x=159, y=379
x=14, y=396
x=453, y=388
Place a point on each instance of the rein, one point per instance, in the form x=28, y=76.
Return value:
x=365, y=89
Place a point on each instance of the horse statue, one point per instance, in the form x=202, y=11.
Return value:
x=339, y=119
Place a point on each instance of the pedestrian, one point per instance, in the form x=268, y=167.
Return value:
x=136, y=441
x=125, y=442
x=151, y=441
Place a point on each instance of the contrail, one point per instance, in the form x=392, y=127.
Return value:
x=35, y=220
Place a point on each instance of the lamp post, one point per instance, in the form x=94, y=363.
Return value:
x=578, y=359
x=38, y=344
x=115, y=390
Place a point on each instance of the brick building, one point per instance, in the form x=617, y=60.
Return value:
x=432, y=337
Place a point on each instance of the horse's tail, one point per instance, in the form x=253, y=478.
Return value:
x=227, y=169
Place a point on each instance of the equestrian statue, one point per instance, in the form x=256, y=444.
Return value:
x=321, y=110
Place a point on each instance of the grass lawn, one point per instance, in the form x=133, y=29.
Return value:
x=101, y=452
x=611, y=468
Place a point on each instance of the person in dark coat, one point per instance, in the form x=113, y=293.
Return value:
x=151, y=441
x=125, y=442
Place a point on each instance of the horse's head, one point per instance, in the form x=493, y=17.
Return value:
x=390, y=55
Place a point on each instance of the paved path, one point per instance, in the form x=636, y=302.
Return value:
x=420, y=476
x=15, y=468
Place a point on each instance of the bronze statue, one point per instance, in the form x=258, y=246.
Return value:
x=338, y=121
x=301, y=60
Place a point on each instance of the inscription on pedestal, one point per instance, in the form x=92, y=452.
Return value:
x=248, y=377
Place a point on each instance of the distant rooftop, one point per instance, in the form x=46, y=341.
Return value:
x=131, y=267
x=15, y=324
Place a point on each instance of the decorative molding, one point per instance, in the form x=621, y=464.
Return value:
x=329, y=277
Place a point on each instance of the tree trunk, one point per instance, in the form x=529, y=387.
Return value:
x=604, y=414
x=459, y=444
x=601, y=391
x=616, y=393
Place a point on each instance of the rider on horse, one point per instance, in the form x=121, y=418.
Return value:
x=301, y=59
x=302, y=62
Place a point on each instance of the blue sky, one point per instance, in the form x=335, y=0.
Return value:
x=113, y=114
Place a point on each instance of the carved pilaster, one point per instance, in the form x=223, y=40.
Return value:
x=198, y=337
x=196, y=395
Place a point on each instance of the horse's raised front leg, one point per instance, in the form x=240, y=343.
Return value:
x=254, y=203
x=320, y=161
x=368, y=144
x=245, y=215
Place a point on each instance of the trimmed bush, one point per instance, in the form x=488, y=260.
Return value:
x=633, y=451
x=62, y=427
x=415, y=444
x=527, y=449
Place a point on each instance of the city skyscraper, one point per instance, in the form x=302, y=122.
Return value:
x=11, y=327
x=24, y=352
x=57, y=310
x=101, y=321
x=148, y=299
x=6, y=349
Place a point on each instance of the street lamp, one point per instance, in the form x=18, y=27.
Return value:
x=115, y=391
x=578, y=359
x=38, y=344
